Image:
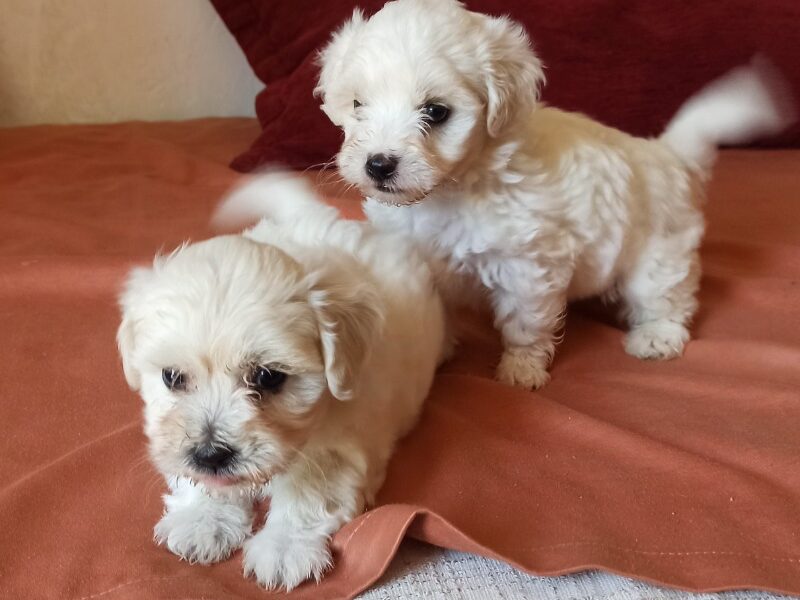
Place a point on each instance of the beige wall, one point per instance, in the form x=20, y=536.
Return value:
x=78, y=61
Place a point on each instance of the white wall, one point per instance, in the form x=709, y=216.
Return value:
x=80, y=61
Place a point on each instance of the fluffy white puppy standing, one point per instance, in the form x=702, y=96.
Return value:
x=444, y=135
x=283, y=362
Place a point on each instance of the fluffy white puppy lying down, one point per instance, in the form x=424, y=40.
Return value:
x=285, y=362
x=537, y=206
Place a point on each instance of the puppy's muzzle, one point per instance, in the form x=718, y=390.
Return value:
x=380, y=168
x=213, y=457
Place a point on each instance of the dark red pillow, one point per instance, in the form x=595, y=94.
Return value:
x=628, y=64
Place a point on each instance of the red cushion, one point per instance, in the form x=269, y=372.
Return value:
x=628, y=64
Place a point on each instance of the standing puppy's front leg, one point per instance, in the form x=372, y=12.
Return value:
x=529, y=302
x=309, y=503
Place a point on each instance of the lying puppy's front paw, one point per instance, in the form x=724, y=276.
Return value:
x=203, y=533
x=523, y=367
x=280, y=559
x=658, y=340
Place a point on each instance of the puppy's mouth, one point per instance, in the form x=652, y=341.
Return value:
x=395, y=196
x=229, y=478
x=229, y=483
x=388, y=189
x=221, y=481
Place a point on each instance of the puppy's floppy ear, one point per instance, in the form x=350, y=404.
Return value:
x=350, y=316
x=330, y=60
x=514, y=73
x=126, y=334
x=126, y=342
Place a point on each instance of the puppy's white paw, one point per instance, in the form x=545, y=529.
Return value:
x=523, y=367
x=280, y=558
x=204, y=533
x=658, y=340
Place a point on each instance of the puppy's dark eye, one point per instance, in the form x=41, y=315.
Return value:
x=173, y=379
x=263, y=379
x=356, y=103
x=435, y=113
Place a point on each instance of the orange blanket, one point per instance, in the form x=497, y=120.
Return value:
x=685, y=473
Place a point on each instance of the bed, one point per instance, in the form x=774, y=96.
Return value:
x=682, y=474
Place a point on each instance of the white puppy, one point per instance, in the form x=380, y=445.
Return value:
x=444, y=135
x=284, y=362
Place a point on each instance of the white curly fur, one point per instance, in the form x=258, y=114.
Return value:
x=349, y=313
x=538, y=205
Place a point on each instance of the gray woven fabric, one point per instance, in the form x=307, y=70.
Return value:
x=422, y=571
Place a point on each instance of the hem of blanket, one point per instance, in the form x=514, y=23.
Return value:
x=693, y=571
x=383, y=529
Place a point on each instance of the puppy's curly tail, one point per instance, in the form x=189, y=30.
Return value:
x=749, y=102
x=276, y=195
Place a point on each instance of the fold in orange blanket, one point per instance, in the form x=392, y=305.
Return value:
x=685, y=473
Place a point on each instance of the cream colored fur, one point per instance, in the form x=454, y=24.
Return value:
x=349, y=314
x=532, y=205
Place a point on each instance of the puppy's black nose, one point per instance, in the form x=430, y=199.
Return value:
x=381, y=167
x=213, y=457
